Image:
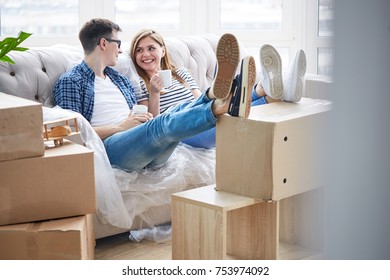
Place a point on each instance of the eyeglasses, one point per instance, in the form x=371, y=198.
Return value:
x=119, y=42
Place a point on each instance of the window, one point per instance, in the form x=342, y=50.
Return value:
x=139, y=14
x=259, y=22
x=325, y=29
x=325, y=61
x=251, y=14
x=325, y=17
x=40, y=17
x=288, y=25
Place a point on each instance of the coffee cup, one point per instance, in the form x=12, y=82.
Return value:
x=166, y=76
x=140, y=109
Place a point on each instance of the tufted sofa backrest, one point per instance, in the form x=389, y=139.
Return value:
x=196, y=53
x=36, y=71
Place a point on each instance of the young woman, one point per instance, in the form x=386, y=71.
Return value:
x=150, y=54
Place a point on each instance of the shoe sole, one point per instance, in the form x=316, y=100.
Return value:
x=228, y=54
x=272, y=63
x=299, y=72
x=248, y=70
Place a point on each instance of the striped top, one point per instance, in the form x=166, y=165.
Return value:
x=176, y=93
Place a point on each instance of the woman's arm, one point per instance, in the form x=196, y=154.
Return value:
x=196, y=92
x=156, y=85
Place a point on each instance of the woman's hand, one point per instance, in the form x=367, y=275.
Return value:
x=156, y=84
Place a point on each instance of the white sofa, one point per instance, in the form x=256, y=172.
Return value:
x=145, y=195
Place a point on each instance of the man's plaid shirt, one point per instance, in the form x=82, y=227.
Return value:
x=75, y=89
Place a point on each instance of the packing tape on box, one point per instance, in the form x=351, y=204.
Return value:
x=32, y=241
x=242, y=126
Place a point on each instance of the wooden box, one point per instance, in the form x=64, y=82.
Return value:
x=210, y=224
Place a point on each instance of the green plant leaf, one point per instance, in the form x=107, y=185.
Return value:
x=7, y=59
x=11, y=44
x=20, y=49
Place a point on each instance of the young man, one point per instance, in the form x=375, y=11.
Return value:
x=106, y=98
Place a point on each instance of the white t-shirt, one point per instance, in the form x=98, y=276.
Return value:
x=110, y=106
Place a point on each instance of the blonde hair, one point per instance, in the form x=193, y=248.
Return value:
x=165, y=60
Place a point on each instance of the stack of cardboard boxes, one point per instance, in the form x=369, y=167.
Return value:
x=268, y=201
x=47, y=194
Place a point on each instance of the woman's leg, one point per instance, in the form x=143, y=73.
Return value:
x=259, y=96
x=255, y=96
x=261, y=101
x=205, y=139
x=257, y=99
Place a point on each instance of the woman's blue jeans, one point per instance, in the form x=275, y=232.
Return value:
x=207, y=139
x=257, y=100
x=152, y=143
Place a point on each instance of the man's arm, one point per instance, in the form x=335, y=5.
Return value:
x=67, y=94
x=131, y=121
x=106, y=131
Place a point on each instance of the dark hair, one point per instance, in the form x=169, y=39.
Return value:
x=95, y=29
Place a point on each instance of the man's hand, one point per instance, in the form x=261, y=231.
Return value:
x=134, y=120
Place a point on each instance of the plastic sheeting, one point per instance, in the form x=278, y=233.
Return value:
x=121, y=195
x=186, y=169
x=160, y=234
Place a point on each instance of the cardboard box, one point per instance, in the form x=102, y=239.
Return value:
x=20, y=128
x=318, y=87
x=279, y=151
x=62, y=239
x=59, y=184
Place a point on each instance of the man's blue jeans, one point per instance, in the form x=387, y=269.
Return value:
x=152, y=143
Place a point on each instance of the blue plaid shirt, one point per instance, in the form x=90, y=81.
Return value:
x=75, y=89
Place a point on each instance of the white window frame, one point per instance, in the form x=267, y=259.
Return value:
x=312, y=41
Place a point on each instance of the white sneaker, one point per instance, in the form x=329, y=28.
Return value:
x=294, y=77
x=271, y=69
